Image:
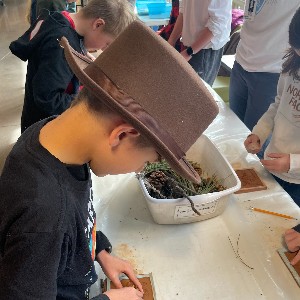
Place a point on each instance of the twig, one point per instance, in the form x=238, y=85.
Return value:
x=150, y=186
x=184, y=194
x=237, y=251
x=192, y=205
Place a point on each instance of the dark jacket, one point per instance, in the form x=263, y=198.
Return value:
x=50, y=83
x=47, y=225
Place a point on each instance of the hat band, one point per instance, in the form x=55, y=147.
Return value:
x=127, y=103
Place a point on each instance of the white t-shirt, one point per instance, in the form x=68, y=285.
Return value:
x=213, y=14
x=283, y=120
x=264, y=35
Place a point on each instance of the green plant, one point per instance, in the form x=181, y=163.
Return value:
x=163, y=182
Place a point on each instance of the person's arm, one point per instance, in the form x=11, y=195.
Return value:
x=265, y=125
x=29, y=265
x=219, y=22
x=203, y=39
x=112, y=267
x=176, y=32
x=51, y=80
x=283, y=163
x=102, y=243
x=219, y=12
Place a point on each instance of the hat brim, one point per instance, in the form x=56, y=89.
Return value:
x=79, y=64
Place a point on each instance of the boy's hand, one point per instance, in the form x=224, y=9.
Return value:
x=292, y=239
x=126, y=293
x=280, y=162
x=113, y=266
x=252, y=144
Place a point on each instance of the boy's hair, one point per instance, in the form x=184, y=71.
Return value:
x=292, y=62
x=98, y=108
x=117, y=14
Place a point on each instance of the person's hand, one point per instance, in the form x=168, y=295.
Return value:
x=185, y=55
x=252, y=144
x=113, y=266
x=292, y=240
x=279, y=162
x=126, y=293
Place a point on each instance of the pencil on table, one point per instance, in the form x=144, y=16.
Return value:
x=272, y=213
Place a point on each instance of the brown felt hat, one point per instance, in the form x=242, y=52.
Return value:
x=153, y=88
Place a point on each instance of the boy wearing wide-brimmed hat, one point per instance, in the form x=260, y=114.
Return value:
x=120, y=120
x=50, y=84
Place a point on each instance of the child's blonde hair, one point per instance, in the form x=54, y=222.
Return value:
x=117, y=14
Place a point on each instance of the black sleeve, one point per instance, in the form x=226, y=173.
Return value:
x=102, y=243
x=29, y=266
x=51, y=79
x=297, y=228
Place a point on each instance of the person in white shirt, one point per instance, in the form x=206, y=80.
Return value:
x=262, y=45
x=205, y=28
x=282, y=120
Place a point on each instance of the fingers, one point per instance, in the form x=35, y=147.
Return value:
x=296, y=258
x=271, y=165
x=275, y=155
x=135, y=281
x=252, y=144
x=279, y=162
x=289, y=232
x=126, y=293
x=116, y=281
x=268, y=164
x=139, y=294
x=292, y=240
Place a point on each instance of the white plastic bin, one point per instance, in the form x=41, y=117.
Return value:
x=177, y=211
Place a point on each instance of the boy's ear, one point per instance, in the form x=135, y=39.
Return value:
x=122, y=132
x=98, y=23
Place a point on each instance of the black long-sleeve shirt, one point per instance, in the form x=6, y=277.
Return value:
x=50, y=83
x=47, y=225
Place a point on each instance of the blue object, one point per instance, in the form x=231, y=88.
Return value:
x=159, y=10
x=155, y=28
x=142, y=6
